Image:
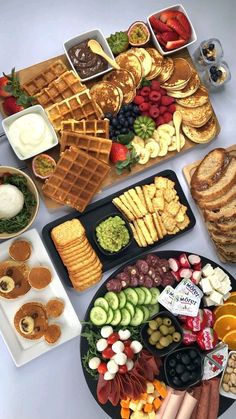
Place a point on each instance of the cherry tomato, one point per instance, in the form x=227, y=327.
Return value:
x=128, y=351
x=127, y=342
x=114, y=337
x=122, y=369
x=108, y=353
x=102, y=368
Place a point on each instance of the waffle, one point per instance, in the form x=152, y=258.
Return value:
x=80, y=106
x=76, y=179
x=95, y=146
x=36, y=84
x=95, y=127
x=68, y=84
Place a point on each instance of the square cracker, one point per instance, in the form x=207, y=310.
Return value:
x=67, y=232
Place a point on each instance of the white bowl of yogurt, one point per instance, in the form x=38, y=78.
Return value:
x=29, y=132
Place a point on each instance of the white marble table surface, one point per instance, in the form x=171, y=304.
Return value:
x=53, y=386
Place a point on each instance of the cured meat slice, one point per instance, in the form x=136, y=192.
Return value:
x=204, y=402
x=103, y=389
x=214, y=399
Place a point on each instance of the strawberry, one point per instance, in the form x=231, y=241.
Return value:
x=175, y=44
x=160, y=40
x=167, y=100
x=167, y=116
x=124, y=157
x=183, y=20
x=3, y=82
x=178, y=28
x=11, y=106
x=170, y=36
x=168, y=14
x=158, y=25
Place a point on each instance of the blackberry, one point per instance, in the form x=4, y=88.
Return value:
x=219, y=73
x=213, y=69
x=214, y=77
x=205, y=52
x=211, y=47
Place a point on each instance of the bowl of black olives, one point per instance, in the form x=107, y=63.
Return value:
x=183, y=367
x=162, y=334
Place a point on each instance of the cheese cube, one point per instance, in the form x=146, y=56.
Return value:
x=133, y=406
x=152, y=415
x=207, y=270
x=226, y=296
x=150, y=399
x=207, y=301
x=150, y=388
x=214, y=281
x=206, y=286
x=225, y=287
x=216, y=298
x=140, y=405
x=220, y=273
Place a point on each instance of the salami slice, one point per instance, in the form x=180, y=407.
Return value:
x=197, y=395
x=214, y=398
x=103, y=389
x=204, y=402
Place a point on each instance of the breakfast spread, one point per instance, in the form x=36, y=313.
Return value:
x=85, y=61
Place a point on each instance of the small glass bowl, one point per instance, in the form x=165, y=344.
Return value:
x=206, y=55
x=215, y=83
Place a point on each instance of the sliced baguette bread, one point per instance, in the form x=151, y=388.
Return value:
x=219, y=202
x=225, y=213
x=210, y=169
x=223, y=239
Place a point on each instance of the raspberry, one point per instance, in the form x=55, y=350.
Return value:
x=143, y=107
x=154, y=112
x=145, y=113
x=163, y=109
x=155, y=96
x=171, y=108
x=162, y=91
x=138, y=100
x=167, y=100
x=155, y=85
x=145, y=91
x=160, y=121
x=167, y=116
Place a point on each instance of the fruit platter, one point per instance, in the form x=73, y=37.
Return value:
x=139, y=348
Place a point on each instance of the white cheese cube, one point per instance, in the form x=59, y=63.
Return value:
x=152, y=415
x=207, y=301
x=150, y=388
x=220, y=273
x=206, y=286
x=225, y=287
x=150, y=399
x=207, y=270
x=214, y=281
x=226, y=296
x=216, y=297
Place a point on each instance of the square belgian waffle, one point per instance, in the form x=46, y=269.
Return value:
x=79, y=106
x=95, y=127
x=76, y=179
x=65, y=86
x=33, y=86
x=95, y=146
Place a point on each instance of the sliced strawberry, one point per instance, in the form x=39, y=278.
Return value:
x=168, y=14
x=175, y=44
x=158, y=25
x=175, y=25
x=11, y=106
x=183, y=20
x=160, y=40
x=169, y=36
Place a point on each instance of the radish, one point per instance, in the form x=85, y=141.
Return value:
x=185, y=273
x=194, y=259
x=198, y=266
x=184, y=261
x=196, y=276
x=174, y=264
x=176, y=275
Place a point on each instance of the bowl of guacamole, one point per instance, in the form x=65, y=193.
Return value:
x=113, y=234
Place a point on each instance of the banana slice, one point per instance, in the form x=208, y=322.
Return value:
x=138, y=140
x=166, y=128
x=138, y=148
x=173, y=146
x=153, y=148
x=165, y=136
x=163, y=148
x=27, y=325
x=144, y=156
x=156, y=136
x=6, y=284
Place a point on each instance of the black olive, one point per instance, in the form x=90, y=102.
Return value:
x=179, y=368
x=194, y=376
x=197, y=362
x=191, y=367
x=177, y=382
x=178, y=356
x=192, y=354
x=172, y=372
x=185, y=359
x=172, y=362
x=185, y=377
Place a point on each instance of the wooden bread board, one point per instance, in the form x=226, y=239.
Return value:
x=188, y=172
x=113, y=178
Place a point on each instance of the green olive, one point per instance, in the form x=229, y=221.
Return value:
x=159, y=346
x=170, y=338
x=176, y=336
x=164, y=341
x=149, y=331
x=153, y=325
x=151, y=341
x=164, y=330
x=171, y=330
x=156, y=336
x=167, y=321
x=158, y=321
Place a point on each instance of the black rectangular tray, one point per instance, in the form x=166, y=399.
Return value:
x=100, y=209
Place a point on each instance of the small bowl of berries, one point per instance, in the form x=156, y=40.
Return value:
x=216, y=75
x=208, y=53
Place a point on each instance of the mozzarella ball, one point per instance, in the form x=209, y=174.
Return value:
x=94, y=363
x=108, y=376
x=124, y=334
x=136, y=346
x=129, y=364
x=118, y=347
x=101, y=345
x=112, y=366
x=120, y=358
x=106, y=331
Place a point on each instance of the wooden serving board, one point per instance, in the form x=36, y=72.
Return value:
x=188, y=172
x=113, y=178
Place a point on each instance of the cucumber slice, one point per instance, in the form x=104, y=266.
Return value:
x=98, y=316
x=110, y=315
x=155, y=294
x=141, y=296
x=101, y=302
x=146, y=313
x=125, y=317
x=130, y=308
x=112, y=300
x=153, y=309
x=117, y=318
x=122, y=299
x=148, y=295
x=131, y=296
x=138, y=317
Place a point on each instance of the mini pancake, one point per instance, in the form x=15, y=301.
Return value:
x=18, y=272
x=157, y=60
x=167, y=70
x=145, y=58
x=39, y=277
x=55, y=307
x=191, y=87
x=52, y=333
x=20, y=250
x=199, y=98
x=108, y=96
x=31, y=321
x=125, y=81
x=133, y=64
x=203, y=134
x=195, y=117
x=180, y=76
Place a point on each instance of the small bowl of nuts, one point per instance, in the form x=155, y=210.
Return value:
x=228, y=379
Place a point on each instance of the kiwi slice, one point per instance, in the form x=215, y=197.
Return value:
x=118, y=42
x=144, y=127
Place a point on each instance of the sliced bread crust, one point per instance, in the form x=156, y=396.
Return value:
x=219, y=202
x=228, y=212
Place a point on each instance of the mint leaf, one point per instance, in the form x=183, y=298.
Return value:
x=125, y=138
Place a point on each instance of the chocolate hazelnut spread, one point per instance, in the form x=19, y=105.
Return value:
x=85, y=61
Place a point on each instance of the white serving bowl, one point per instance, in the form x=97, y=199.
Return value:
x=93, y=34
x=36, y=109
x=222, y=392
x=179, y=8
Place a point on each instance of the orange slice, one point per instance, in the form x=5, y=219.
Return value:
x=224, y=324
x=230, y=339
x=226, y=308
x=232, y=297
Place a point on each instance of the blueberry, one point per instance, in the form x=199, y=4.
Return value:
x=126, y=108
x=114, y=122
x=123, y=130
x=122, y=112
x=210, y=58
x=136, y=110
x=131, y=120
x=214, y=77
x=121, y=119
x=211, y=47
x=219, y=73
x=109, y=115
x=179, y=368
x=127, y=114
x=126, y=123
x=213, y=69
x=205, y=52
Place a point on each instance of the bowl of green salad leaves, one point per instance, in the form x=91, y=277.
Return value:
x=19, y=202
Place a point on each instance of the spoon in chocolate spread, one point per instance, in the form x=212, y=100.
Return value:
x=97, y=49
